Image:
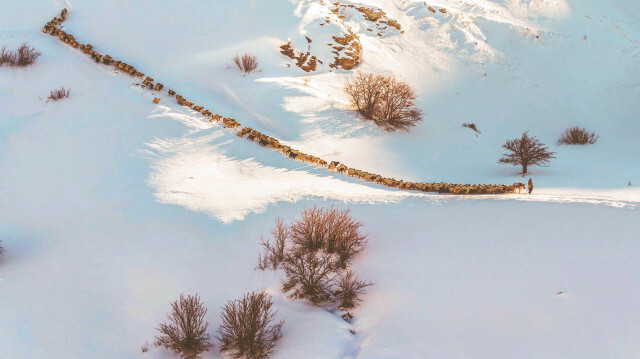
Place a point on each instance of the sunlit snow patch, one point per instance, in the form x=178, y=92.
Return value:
x=202, y=177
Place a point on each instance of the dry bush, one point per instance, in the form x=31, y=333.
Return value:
x=246, y=64
x=331, y=230
x=27, y=55
x=59, y=94
x=310, y=276
x=578, y=136
x=471, y=126
x=248, y=329
x=349, y=289
x=7, y=57
x=315, y=252
x=388, y=102
x=526, y=151
x=186, y=331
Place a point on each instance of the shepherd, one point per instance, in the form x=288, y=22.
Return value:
x=530, y=185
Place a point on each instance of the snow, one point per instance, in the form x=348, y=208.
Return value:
x=111, y=206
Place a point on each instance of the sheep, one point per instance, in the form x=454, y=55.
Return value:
x=230, y=123
x=263, y=141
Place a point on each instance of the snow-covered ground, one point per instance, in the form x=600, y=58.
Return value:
x=111, y=206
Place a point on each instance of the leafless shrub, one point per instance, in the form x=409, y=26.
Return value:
x=274, y=252
x=59, y=94
x=27, y=55
x=310, y=276
x=577, y=136
x=526, y=151
x=349, y=289
x=248, y=330
x=7, y=57
x=471, y=126
x=145, y=348
x=388, y=102
x=186, y=331
x=1, y=248
x=331, y=230
x=315, y=252
x=246, y=64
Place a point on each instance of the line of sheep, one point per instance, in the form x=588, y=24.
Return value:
x=52, y=29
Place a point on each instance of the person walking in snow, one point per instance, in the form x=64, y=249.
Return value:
x=530, y=185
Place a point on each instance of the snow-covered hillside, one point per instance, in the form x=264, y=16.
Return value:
x=111, y=206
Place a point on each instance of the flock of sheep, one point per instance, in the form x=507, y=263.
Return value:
x=52, y=29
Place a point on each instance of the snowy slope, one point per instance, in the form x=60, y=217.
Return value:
x=110, y=206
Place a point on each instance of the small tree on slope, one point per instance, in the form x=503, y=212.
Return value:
x=526, y=151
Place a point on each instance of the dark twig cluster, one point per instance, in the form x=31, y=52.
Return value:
x=578, y=136
x=26, y=55
x=59, y=94
x=246, y=64
x=249, y=329
x=7, y=57
x=186, y=331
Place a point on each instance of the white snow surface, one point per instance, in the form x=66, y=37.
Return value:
x=111, y=206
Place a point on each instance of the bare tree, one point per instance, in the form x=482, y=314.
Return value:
x=577, y=136
x=246, y=64
x=388, y=102
x=248, y=330
x=349, y=289
x=186, y=331
x=27, y=55
x=526, y=151
x=310, y=276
